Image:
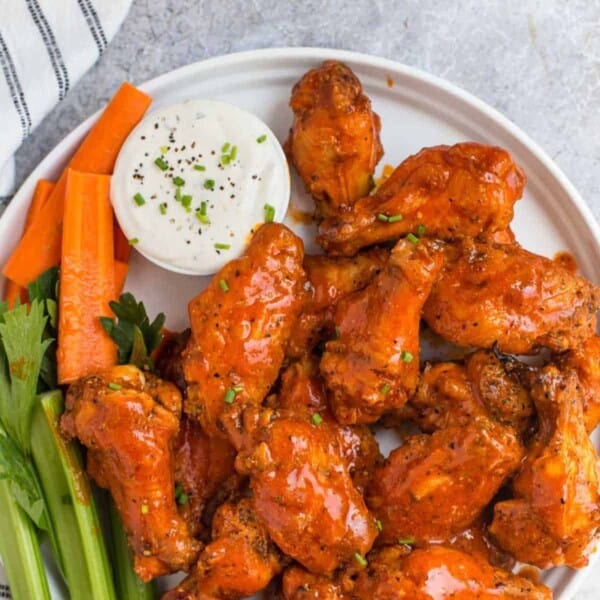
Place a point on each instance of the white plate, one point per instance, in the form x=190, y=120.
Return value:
x=417, y=110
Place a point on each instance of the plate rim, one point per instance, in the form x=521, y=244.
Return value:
x=271, y=56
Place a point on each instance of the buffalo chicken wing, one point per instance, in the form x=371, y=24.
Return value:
x=491, y=293
x=452, y=191
x=240, y=326
x=556, y=509
x=126, y=420
x=373, y=366
x=334, y=140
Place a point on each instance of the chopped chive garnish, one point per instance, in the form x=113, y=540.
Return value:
x=178, y=194
x=201, y=214
x=382, y=217
x=360, y=559
x=199, y=167
x=407, y=541
x=186, y=201
x=395, y=218
x=223, y=285
x=183, y=498
x=222, y=246
x=421, y=229
x=412, y=238
x=233, y=153
x=317, y=419
x=385, y=389
x=164, y=149
x=114, y=386
x=406, y=356
x=209, y=184
x=231, y=393
x=225, y=147
x=378, y=525
x=262, y=138
x=161, y=163
x=269, y=213
x=139, y=199
x=225, y=159
x=163, y=208
x=134, y=241
x=178, y=181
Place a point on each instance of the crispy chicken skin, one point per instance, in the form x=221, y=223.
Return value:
x=330, y=278
x=556, y=507
x=373, y=367
x=240, y=561
x=202, y=466
x=303, y=492
x=240, y=326
x=334, y=141
x=453, y=394
x=464, y=190
x=302, y=392
x=432, y=487
x=129, y=434
x=585, y=360
x=440, y=573
x=502, y=293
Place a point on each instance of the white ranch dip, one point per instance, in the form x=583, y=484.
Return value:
x=194, y=180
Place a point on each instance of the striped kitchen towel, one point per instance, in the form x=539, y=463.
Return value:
x=45, y=47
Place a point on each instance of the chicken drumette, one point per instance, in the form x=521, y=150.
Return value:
x=491, y=293
x=373, y=366
x=334, y=141
x=128, y=420
x=452, y=191
x=556, y=510
x=240, y=325
x=302, y=489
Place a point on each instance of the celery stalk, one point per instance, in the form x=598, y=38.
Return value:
x=129, y=585
x=20, y=550
x=70, y=503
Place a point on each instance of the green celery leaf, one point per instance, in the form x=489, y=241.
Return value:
x=23, y=349
x=45, y=289
x=24, y=484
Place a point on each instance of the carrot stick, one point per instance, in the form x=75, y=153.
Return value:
x=42, y=191
x=121, y=270
x=40, y=247
x=87, y=278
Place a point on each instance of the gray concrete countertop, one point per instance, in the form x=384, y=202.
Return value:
x=537, y=61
